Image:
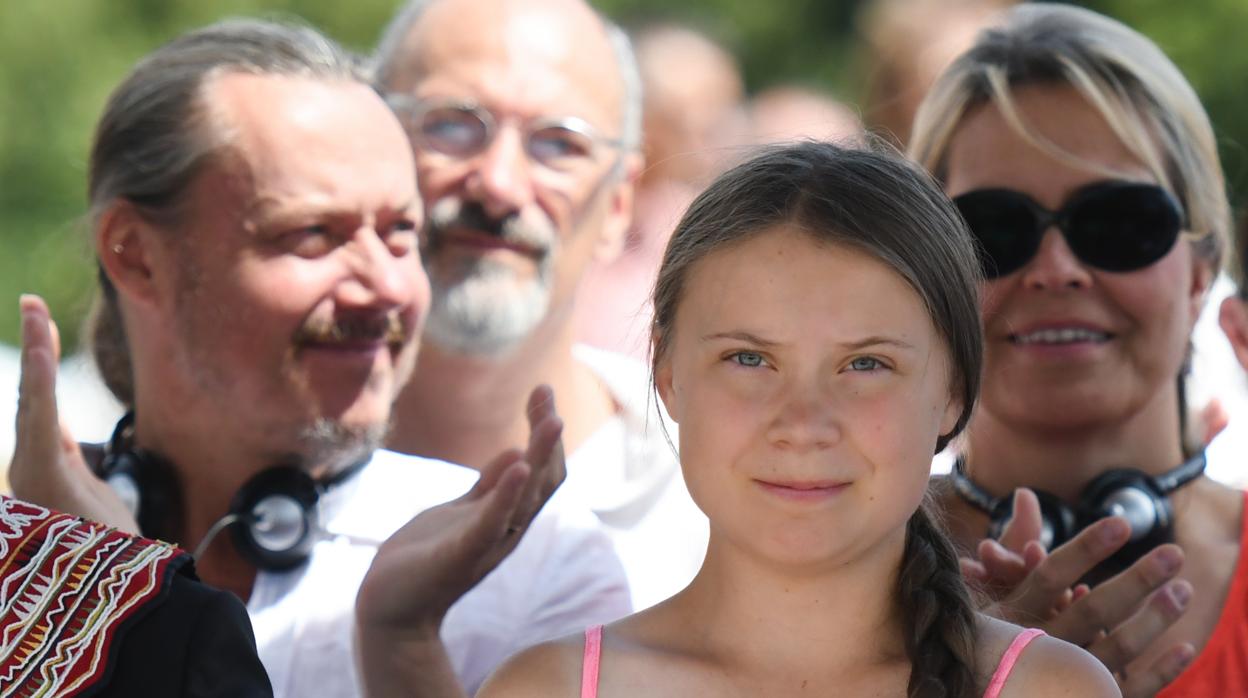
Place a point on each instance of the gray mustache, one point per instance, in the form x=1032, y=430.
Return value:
x=473, y=216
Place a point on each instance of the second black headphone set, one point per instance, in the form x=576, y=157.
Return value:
x=273, y=519
x=1142, y=499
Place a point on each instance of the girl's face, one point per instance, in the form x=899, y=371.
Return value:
x=810, y=387
x=1068, y=345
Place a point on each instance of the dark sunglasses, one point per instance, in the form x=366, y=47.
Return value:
x=1112, y=226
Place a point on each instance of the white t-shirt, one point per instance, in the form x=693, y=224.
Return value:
x=628, y=475
x=561, y=578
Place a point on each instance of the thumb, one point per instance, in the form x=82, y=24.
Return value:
x=37, y=420
x=1025, y=522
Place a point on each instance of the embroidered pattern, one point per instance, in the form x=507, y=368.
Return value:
x=66, y=585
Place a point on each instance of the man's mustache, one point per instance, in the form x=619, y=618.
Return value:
x=352, y=327
x=473, y=216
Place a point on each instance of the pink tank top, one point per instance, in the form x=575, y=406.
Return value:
x=1009, y=659
x=593, y=658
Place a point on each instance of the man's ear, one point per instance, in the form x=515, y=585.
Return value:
x=619, y=215
x=1233, y=317
x=127, y=247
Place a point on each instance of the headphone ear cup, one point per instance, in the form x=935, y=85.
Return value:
x=149, y=488
x=1134, y=496
x=1057, y=521
x=278, y=522
x=1130, y=494
x=122, y=474
x=999, y=517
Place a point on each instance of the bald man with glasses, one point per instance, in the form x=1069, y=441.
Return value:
x=526, y=132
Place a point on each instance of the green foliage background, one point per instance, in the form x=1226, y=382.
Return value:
x=60, y=58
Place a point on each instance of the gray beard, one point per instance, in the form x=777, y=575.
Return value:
x=329, y=443
x=484, y=311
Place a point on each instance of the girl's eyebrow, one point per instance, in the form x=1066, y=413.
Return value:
x=742, y=336
x=751, y=338
x=876, y=341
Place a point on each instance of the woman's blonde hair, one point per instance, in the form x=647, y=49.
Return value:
x=1133, y=85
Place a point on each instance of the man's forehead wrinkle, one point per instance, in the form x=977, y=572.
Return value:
x=565, y=37
x=268, y=204
x=274, y=204
x=299, y=152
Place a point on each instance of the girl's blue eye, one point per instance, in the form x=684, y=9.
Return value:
x=865, y=363
x=749, y=359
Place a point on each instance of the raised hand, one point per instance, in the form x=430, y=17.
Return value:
x=1211, y=420
x=1116, y=621
x=427, y=565
x=48, y=467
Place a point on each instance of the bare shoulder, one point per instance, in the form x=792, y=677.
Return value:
x=1047, y=667
x=1217, y=501
x=1053, y=667
x=549, y=669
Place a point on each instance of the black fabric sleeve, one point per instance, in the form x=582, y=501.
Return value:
x=198, y=643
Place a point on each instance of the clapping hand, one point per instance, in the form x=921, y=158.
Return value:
x=427, y=565
x=48, y=467
x=1116, y=621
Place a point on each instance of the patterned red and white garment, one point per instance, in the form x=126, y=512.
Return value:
x=68, y=588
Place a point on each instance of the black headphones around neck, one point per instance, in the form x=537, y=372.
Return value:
x=273, y=519
x=1143, y=500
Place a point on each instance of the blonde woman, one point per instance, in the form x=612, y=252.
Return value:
x=1087, y=171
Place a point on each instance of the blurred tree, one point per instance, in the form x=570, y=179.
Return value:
x=59, y=59
x=1205, y=39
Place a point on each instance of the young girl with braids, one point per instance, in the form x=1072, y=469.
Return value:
x=816, y=337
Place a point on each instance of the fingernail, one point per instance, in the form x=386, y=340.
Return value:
x=1114, y=531
x=1181, y=594
x=1170, y=560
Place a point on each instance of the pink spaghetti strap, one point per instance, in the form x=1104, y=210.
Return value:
x=1009, y=659
x=589, y=667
